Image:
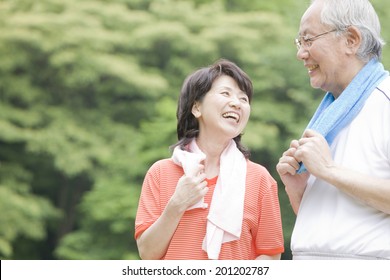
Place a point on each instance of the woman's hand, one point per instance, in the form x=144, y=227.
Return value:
x=190, y=189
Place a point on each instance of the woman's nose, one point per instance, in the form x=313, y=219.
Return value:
x=235, y=102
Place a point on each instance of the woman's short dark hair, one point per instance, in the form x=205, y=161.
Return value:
x=195, y=88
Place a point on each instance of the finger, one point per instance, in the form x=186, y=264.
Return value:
x=289, y=153
x=202, y=185
x=204, y=191
x=192, y=180
x=294, y=144
x=280, y=168
x=199, y=169
x=311, y=133
x=291, y=162
x=285, y=168
x=201, y=178
x=305, y=140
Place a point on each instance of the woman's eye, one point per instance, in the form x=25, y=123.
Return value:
x=245, y=99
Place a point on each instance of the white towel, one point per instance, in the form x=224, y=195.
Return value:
x=224, y=221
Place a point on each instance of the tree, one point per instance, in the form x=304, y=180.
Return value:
x=66, y=89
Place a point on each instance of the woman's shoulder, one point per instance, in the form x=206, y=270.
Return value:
x=163, y=162
x=165, y=166
x=259, y=182
x=256, y=171
x=256, y=167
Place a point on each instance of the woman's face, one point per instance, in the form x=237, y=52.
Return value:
x=224, y=110
x=326, y=58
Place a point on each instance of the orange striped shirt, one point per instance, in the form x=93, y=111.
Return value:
x=261, y=228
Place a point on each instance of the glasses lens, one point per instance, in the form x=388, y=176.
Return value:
x=298, y=43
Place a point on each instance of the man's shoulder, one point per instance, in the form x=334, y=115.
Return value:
x=384, y=88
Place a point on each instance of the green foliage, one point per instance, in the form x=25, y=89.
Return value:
x=88, y=94
x=23, y=214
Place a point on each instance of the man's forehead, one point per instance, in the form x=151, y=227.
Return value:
x=310, y=19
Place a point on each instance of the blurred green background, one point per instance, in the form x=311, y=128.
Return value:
x=88, y=92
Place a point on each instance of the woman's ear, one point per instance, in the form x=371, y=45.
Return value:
x=354, y=39
x=195, y=110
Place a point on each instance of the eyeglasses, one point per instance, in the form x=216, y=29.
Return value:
x=307, y=42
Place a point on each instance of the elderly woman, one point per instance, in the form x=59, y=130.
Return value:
x=337, y=175
x=209, y=201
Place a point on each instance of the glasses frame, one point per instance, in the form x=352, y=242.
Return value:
x=301, y=40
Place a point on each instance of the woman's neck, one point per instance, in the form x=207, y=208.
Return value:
x=213, y=152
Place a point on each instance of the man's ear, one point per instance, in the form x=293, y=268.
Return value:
x=195, y=110
x=354, y=39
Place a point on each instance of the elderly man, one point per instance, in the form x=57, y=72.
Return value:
x=337, y=175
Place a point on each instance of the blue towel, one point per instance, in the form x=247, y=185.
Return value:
x=334, y=114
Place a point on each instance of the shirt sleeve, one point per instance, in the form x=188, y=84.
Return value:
x=270, y=239
x=149, y=208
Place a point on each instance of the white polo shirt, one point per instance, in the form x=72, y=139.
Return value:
x=331, y=224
